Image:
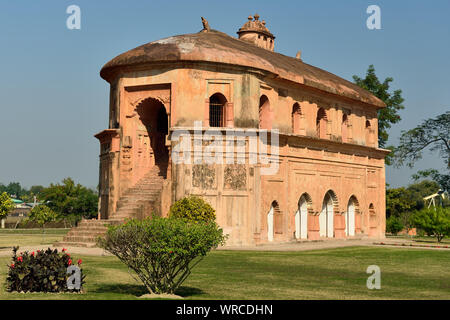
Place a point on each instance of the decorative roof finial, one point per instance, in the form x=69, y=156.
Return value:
x=206, y=27
x=256, y=17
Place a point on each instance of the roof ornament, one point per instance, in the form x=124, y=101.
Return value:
x=206, y=27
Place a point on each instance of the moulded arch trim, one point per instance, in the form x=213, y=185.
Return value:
x=308, y=200
x=356, y=203
x=142, y=101
x=150, y=101
x=296, y=108
x=334, y=199
x=321, y=114
x=275, y=206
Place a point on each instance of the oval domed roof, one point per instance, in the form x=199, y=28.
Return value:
x=217, y=47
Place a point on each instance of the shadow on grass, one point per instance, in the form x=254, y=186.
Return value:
x=189, y=291
x=139, y=290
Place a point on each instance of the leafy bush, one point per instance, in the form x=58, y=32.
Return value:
x=193, y=209
x=162, y=251
x=434, y=221
x=394, y=225
x=6, y=205
x=43, y=271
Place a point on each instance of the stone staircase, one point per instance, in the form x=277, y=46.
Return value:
x=86, y=233
x=138, y=201
x=144, y=198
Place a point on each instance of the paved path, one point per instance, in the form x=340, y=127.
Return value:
x=71, y=250
x=294, y=246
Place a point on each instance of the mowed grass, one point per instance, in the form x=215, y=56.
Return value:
x=319, y=274
x=30, y=237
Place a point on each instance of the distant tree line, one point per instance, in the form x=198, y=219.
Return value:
x=68, y=200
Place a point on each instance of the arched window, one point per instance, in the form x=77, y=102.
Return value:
x=264, y=113
x=217, y=104
x=296, y=118
x=344, y=128
x=321, y=123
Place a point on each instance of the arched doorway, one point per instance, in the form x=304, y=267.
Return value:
x=326, y=217
x=153, y=116
x=271, y=223
x=301, y=217
x=350, y=216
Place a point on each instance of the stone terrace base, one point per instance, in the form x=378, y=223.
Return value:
x=86, y=233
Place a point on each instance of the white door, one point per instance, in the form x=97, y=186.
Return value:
x=346, y=222
x=270, y=225
x=350, y=220
x=297, y=225
x=303, y=219
x=330, y=220
x=323, y=221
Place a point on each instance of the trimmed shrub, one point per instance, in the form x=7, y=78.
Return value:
x=394, y=225
x=193, y=209
x=162, y=251
x=41, y=271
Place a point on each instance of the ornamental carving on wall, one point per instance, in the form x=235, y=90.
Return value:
x=235, y=177
x=204, y=176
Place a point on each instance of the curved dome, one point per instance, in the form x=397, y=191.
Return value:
x=217, y=47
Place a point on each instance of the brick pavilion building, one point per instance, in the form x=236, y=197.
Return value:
x=330, y=177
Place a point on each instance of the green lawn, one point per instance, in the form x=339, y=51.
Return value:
x=421, y=240
x=320, y=274
x=30, y=237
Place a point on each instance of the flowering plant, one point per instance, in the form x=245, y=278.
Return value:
x=41, y=271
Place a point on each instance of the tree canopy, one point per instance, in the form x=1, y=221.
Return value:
x=394, y=103
x=6, y=205
x=399, y=200
x=432, y=134
x=69, y=199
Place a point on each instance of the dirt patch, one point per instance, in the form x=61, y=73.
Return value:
x=160, y=296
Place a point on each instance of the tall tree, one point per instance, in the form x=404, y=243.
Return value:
x=15, y=189
x=433, y=134
x=386, y=116
x=70, y=200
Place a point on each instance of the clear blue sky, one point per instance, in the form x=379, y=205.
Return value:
x=53, y=100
